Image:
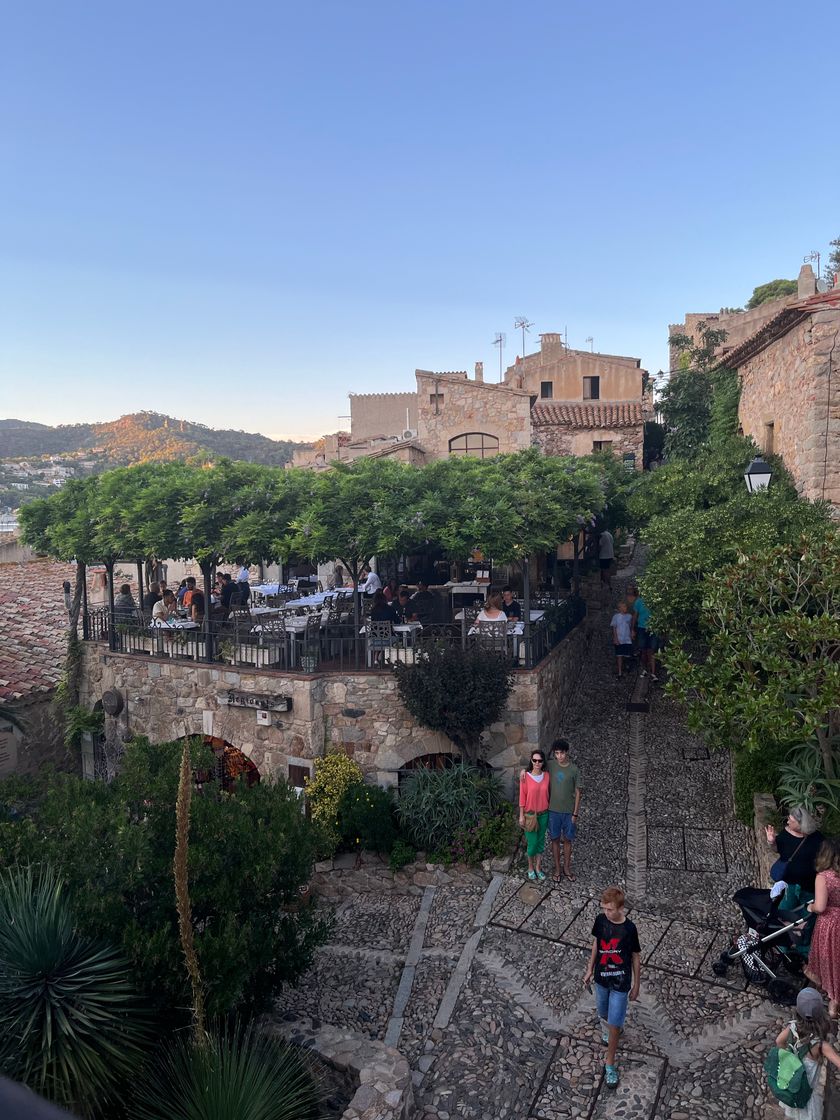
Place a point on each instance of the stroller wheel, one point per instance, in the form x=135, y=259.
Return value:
x=779, y=991
x=720, y=967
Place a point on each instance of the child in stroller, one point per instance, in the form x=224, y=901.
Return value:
x=773, y=948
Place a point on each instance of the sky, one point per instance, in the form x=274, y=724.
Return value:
x=238, y=214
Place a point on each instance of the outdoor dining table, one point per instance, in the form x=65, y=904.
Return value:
x=535, y=617
x=263, y=590
x=318, y=598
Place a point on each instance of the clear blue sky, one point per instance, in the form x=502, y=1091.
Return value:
x=238, y=213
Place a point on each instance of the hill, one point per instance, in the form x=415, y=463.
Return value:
x=140, y=438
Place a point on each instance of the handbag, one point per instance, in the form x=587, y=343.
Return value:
x=778, y=871
x=531, y=823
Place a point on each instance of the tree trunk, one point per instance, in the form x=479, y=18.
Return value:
x=354, y=571
x=208, y=634
x=180, y=869
x=79, y=592
x=112, y=625
x=824, y=738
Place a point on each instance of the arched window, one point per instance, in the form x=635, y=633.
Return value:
x=478, y=444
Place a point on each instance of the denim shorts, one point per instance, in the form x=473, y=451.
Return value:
x=612, y=1006
x=644, y=638
x=561, y=826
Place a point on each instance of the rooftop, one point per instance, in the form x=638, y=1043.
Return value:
x=32, y=622
x=627, y=415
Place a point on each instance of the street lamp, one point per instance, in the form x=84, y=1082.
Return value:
x=757, y=475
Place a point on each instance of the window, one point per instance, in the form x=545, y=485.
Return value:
x=602, y=445
x=546, y=390
x=477, y=444
x=299, y=776
x=436, y=399
x=769, y=432
x=592, y=388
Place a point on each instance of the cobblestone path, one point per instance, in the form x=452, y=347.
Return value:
x=491, y=1013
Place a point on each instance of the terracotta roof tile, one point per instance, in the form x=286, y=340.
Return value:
x=32, y=625
x=627, y=415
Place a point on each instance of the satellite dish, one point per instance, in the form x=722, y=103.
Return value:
x=822, y=285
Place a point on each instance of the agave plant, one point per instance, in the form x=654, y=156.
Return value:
x=233, y=1073
x=802, y=780
x=435, y=804
x=71, y=1026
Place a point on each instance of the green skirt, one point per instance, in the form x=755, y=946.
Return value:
x=536, y=840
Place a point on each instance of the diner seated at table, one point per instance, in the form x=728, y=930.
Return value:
x=196, y=607
x=165, y=608
x=510, y=606
x=391, y=590
x=423, y=602
x=226, y=589
x=405, y=610
x=492, y=610
x=125, y=608
x=370, y=583
x=382, y=611
x=181, y=592
x=186, y=598
x=152, y=596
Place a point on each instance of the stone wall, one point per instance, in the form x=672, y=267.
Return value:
x=358, y=713
x=787, y=385
x=739, y=325
x=449, y=407
x=556, y=439
x=381, y=414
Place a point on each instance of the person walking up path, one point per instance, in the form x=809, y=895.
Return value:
x=563, y=807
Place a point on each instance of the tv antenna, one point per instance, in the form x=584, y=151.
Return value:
x=522, y=324
x=500, y=340
x=813, y=256
x=591, y=342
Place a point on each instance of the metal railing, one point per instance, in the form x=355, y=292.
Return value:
x=314, y=644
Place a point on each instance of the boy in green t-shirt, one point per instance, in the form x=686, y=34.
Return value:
x=563, y=806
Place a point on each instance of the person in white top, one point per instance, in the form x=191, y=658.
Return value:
x=606, y=555
x=164, y=608
x=492, y=610
x=372, y=583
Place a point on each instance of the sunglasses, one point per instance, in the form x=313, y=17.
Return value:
x=540, y=760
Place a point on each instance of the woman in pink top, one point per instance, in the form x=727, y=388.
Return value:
x=824, y=956
x=533, y=798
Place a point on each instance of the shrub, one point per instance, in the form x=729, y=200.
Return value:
x=493, y=837
x=238, y=1073
x=459, y=692
x=435, y=804
x=73, y=1028
x=250, y=854
x=755, y=772
x=334, y=775
x=401, y=855
x=366, y=818
x=802, y=780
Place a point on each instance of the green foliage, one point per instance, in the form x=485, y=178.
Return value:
x=434, y=805
x=802, y=779
x=114, y=846
x=754, y=772
x=401, y=855
x=493, y=837
x=73, y=1028
x=238, y=1073
x=366, y=818
x=833, y=266
x=771, y=675
x=686, y=401
x=458, y=692
x=334, y=775
x=773, y=289
x=79, y=721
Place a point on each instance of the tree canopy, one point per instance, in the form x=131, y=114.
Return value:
x=773, y=289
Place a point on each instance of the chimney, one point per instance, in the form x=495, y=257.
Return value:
x=807, y=282
x=479, y=371
x=552, y=341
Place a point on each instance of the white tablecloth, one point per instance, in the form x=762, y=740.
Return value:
x=175, y=624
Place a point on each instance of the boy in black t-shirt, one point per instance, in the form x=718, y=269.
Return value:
x=616, y=963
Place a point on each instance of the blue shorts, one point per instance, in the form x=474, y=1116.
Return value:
x=561, y=826
x=644, y=639
x=612, y=1006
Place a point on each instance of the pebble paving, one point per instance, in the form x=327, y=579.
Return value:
x=522, y=1040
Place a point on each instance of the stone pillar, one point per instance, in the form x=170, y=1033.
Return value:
x=479, y=371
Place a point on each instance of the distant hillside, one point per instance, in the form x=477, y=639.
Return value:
x=140, y=438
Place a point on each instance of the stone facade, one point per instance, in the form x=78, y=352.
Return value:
x=790, y=398
x=452, y=406
x=562, y=369
x=626, y=436
x=358, y=713
x=381, y=414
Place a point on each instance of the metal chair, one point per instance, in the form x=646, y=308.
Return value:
x=274, y=642
x=492, y=636
x=380, y=637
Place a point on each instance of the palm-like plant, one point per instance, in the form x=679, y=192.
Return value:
x=71, y=1026
x=802, y=779
x=234, y=1073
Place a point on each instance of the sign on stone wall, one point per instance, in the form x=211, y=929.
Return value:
x=262, y=701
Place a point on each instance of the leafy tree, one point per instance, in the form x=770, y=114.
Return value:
x=772, y=673
x=114, y=845
x=686, y=401
x=74, y=1028
x=774, y=289
x=459, y=692
x=833, y=266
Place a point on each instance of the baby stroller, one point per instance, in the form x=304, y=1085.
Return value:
x=773, y=948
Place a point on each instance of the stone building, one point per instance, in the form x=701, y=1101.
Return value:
x=568, y=402
x=787, y=352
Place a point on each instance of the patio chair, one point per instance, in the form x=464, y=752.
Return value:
x=380, y=637
x=492, y=636
x=274, y=642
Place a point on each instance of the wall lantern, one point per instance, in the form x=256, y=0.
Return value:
x=757, y=475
